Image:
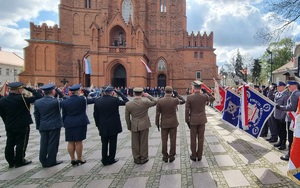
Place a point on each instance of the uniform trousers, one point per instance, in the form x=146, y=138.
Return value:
x=18, y=138
x=281, y=127
x=49, y=146
x=290, y=135
x=197, y=133
x=109, y=144
x=139, y=145
x=273, y=127
x=165, y=132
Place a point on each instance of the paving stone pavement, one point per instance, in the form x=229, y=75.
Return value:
x=231, y=159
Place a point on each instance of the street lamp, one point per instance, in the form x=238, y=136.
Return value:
x=269, y=52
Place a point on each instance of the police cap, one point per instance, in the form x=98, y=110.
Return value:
x=292, y=82
x=108, y=88
x=75, y=87
x=15, y=85
x=280, y=83
x=48, y=87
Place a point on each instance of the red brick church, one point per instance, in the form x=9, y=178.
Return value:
x=105, y=41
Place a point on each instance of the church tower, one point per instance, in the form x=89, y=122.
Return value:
x=125, y=43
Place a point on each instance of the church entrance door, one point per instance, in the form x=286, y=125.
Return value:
x=161, y=80
x=119, y=76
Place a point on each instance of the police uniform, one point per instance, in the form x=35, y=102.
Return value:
x=138, y=122
x=107, y=119
x=292, y=104
x=166, y=118
x=75, y=119
x=279, y=115
x=195, y=117
x=49, y=122
x=15, y=112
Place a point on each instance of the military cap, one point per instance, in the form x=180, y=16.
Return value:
x=138, y=89
x=169, y=89
x=108, y=88
x=48, y=87
x=263, y=86
x=75, y=87
x=15, y=85
x=274, y=84
x=197, y=83
x=292, y=82
x=280, y=83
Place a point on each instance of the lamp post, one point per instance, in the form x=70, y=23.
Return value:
x=269, y=52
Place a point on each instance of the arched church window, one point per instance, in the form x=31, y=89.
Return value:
x=163, y=5
x=87, y=4
x=127, y=10
x=161, y=65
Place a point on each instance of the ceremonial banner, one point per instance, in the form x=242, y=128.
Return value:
x=219, y=97
x=255, y=111
x=293, y=118
x=294, y=162
x=231, y=108
x=203, y=86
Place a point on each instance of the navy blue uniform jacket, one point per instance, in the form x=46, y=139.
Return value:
x=106, y=114
x=47, y=114
x=74, y=111
x=14, y=112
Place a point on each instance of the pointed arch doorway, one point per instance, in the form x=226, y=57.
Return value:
x=119, y=76
x=161, y=80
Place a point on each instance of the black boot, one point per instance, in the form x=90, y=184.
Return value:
x=278, y=144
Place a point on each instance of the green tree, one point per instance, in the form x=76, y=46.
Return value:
x=256, y=70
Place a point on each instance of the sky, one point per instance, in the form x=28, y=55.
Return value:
x=233, y=22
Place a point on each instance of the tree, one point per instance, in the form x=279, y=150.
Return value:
x=256, y=70
x=284, y=14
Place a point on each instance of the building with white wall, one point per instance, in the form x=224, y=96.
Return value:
x=10, y=66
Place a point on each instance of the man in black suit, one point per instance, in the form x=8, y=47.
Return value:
x=107, y=119
x=49, y=122
x=15, y=112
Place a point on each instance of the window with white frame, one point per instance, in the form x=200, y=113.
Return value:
x=198, y=75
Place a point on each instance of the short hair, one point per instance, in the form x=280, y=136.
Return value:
x=47, y=92
x=138, y=93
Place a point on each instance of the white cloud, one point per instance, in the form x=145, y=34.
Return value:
x=13, y=11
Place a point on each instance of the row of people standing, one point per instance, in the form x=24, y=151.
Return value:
x=107, y=119
x=286, y=96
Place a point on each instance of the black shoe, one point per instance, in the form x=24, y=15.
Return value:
x=193, y=158
x=25, y=162
x=199, y=159
x=285, y=157
x=56, y=163
x=81, y=162
x=105, y=163
x=74, y=163
x=277, y=144
x=273, y=140
x=165, y=160
x=171, y=160
x=145, y=161
x=11, y=165
x=282, y=147
x=113, y=161
x=268, y=139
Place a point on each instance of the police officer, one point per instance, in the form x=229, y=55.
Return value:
x=166, y=118
x=195, y=117
x=138, y=122
x=75, y=122
x=281, y=99
x=49, y=122
x=107, y=119
x=15, y=112
x=292, y=104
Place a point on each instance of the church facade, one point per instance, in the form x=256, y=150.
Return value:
x=125, y=43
